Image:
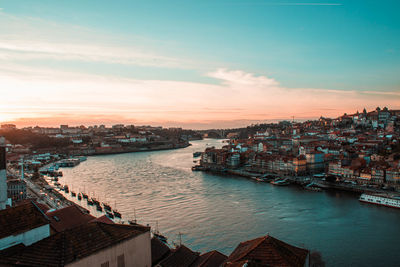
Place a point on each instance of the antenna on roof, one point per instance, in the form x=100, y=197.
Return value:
x=180, y=238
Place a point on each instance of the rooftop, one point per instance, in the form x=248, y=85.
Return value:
x=71, y=245
x=20, y=219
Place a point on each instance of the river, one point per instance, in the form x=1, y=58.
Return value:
x=217, y=212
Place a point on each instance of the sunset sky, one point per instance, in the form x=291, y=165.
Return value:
x=195, y=64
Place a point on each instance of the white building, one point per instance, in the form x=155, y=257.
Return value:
x=3, y=174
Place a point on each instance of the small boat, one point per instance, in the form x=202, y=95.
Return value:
x=79, y=196
x=66, y=189
x=109, y=215
x=280, y=182
x=312, y=187
x=84, y=195
x=117, y=214
x=106, y=206
x=132, y=222
x=90, y=203
x=157, y=234
x=161, y=237
x=99, y=208
x=95, y=201
x=196, y=154
x=73, y=193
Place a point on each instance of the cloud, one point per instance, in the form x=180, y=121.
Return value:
x=25, y=38
x=305, y=4
x=240, y=96
x=238, y=77
x=285, y=4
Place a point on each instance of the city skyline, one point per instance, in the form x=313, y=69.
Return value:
x=195, y=65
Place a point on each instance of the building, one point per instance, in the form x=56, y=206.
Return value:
x=92, y=244
x=8, y=126
x=24, y=224
x=3, y=174
x=16, y=189
x=267, y=251
x=181, y=256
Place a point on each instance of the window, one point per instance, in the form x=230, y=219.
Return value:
x=121, y=261
x=105, y=264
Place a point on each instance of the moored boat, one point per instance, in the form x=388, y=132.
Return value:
x=106, y=206
x=383, y=200
x=79, y=196
x=109, y=214
x=196, y=154
x=280, y=182
x=117, y=214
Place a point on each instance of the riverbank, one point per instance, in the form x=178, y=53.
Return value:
x=142, y=149
x=300, y=181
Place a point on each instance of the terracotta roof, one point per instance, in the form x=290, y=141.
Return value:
x=159, y=250
x=182, y=256
x=41, y=206
x=67, y=218
x=268, y=251
x=71, y=245
x=210, y=259
x=103, y=219
x=20, y=219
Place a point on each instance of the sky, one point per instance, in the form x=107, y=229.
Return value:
x=195, y=64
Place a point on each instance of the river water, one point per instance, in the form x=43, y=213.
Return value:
x=217, y=212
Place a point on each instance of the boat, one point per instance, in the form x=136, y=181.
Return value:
x=157, y=234
x=132, y=222
x=117, y=214
x=383, y=200
x=280, y=182
x=73, y=193
x=106, y=206
x=90, y=203
x=66, y=189
x=79, y=196
x=161, y=237
x=99, y=208
x=84, y=195
x=95, y=201
x=196, y=154
x=110, y=215
x=312, y=187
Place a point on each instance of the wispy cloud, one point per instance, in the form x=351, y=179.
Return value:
x=43, y=93
x=25, y=38
x=285, y=4
x=304, y=4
